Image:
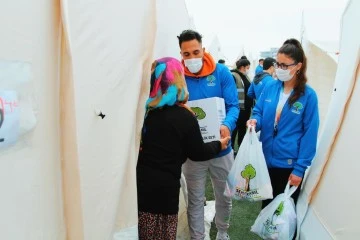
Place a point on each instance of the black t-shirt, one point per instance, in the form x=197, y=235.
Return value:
x=170, y=136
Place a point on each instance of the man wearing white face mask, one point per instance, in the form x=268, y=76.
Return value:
x=245, y=102
x=206, y=79
x=288, y=116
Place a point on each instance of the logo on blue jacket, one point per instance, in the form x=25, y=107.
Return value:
x=296, y=107
x=211, y=80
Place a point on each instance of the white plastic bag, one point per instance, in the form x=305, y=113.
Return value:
x=249, y=177
x=278, y=219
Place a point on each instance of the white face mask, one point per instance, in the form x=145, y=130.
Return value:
x=194, y=64
x=247, y=71
x=283, y=75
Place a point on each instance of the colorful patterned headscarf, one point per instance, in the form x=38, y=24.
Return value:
x=168, y=86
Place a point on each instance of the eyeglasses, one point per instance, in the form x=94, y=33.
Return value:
x=284, y=66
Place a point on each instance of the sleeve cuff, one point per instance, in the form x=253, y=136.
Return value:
x=227, y=125
x=299, y=171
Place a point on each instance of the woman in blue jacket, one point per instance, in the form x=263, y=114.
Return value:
x=287, y=115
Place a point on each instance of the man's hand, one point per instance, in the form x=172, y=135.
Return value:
x=224, y=142
x=224, y=131
x=294, y=180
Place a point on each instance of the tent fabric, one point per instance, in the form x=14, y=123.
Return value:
x=73, y=176
x=321, y=72
x=214, y=49
x=108, y=57
x=69, y=152
x=171, y=19
x=329, y=188
x=30, y=171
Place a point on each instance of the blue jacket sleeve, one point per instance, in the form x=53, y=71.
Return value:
x=251, y=92
x=229, y=94
x=309, y=139
x=258, y=110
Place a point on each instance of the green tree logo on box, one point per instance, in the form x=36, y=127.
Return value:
x=248, y=173
x=199, y=113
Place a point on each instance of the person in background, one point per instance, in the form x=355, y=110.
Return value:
x=222, y=61
x=206, y=79
x=261, y=79
x=245, y=102
x=170, y=135
x=259, y=67
x=288, y=116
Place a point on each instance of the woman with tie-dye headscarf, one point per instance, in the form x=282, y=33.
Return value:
x=170, y=135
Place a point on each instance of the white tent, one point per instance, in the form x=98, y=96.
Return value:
x=321, y=71
x=327, y=207
x=31, y=202
x=214, y=49
x=73, y=176
x=321, y=46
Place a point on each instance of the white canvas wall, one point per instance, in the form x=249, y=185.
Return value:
x=171, y=19
x=330, y=188
x=31, y=203
x=321, y=71
x=214, y=49
x=73, y=176
x=110, y=47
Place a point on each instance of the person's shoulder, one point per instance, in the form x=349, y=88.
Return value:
x=185, y=118
x=272, y=83
x=268, y=77
x=308, y=88
x=310, y=91
x=221, y=68
x=182, y=113
x=271, y=87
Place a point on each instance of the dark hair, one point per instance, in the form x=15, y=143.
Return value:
x=242, y=63
x=268, y=63
x=221, y=61
x=243, y=57
x=292, y=48
x=261, y=59
x=188, y=35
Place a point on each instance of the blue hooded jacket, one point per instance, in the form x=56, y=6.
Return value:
x=294, y=145
x=258, y=84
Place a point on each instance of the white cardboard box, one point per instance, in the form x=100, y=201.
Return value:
x=210, y=113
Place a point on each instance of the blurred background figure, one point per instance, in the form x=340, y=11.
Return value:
x=262, y=78
x=242, y=81
x=259, y=67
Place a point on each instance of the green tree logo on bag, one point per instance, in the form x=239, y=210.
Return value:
x=199, y=113
x=270, y=225
x=248, y=173
x=279, y=210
